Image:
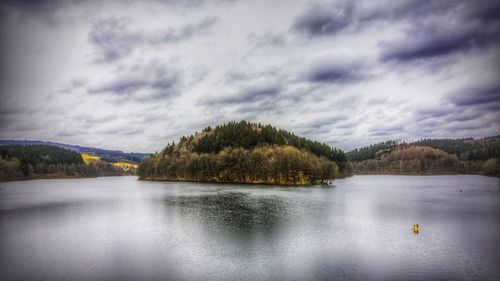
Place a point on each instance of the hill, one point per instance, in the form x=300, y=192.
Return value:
x=19, y=162
x=429, y=156
x=244, y=152
x=104, y=154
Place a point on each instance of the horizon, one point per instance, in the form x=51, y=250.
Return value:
x=137, y=75
x=111, y=149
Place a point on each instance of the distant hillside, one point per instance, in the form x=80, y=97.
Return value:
x=19, y=162
x=105, y=154
x=245, y=152
x=429, y=156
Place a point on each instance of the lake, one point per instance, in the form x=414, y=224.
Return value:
x=119, y=228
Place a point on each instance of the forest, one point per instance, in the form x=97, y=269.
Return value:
x=43, y=161
x=244, y=152
x=429, y=156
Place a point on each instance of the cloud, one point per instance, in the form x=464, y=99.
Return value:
x=433, y=44
x=434, y=28
x=391, y=130
x=325, y=19
x=434, y=41
x=266, y=39
x=248, y=94
x=43, y=11
x=325, y=121
x=336, y=67
x=434, y=112
x=443, y=28
x=149, y=81
x=113, y=38
x=172, y=35
x=477, y=95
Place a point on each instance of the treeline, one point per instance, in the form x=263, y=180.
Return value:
x=43, y=161
x=465, y=149
x=246, y=152
x=369, y=152
x=412, y=159
x=105, y=154
x=270, y=164
x=248, y=135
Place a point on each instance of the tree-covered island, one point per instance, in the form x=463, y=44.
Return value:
x=243, y=152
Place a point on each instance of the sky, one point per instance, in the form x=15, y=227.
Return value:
x=136, y=75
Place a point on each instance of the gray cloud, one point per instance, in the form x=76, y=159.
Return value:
x=43, y=11
x=266, y=39
x=334, y=72
x=436, y=112
x=325, y=19
x=477, y=95
x=434, y=41
x=443, y=28
x=248, y=94
x=393, y=130
x=113, y=38
x=428, y=46
x=330, y=119
x=437, y=27
x=156, y=81
x=337, y=67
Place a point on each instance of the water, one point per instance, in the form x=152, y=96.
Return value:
x=119, y=228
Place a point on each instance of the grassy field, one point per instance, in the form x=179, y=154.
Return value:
x=88, y=158
x=126, y=166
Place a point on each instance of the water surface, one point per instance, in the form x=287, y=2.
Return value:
x=119, y=228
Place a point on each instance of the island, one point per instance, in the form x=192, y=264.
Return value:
x=244, y=152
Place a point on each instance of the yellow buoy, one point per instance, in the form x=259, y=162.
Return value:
x=415, y=228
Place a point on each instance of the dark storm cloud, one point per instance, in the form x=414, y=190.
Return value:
x=113, y=38
x=325, y=19
x=477, y=95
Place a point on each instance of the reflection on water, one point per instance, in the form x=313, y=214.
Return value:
x=359, y=229
x=232, y=215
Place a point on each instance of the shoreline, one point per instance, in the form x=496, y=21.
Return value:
x=55, y=177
